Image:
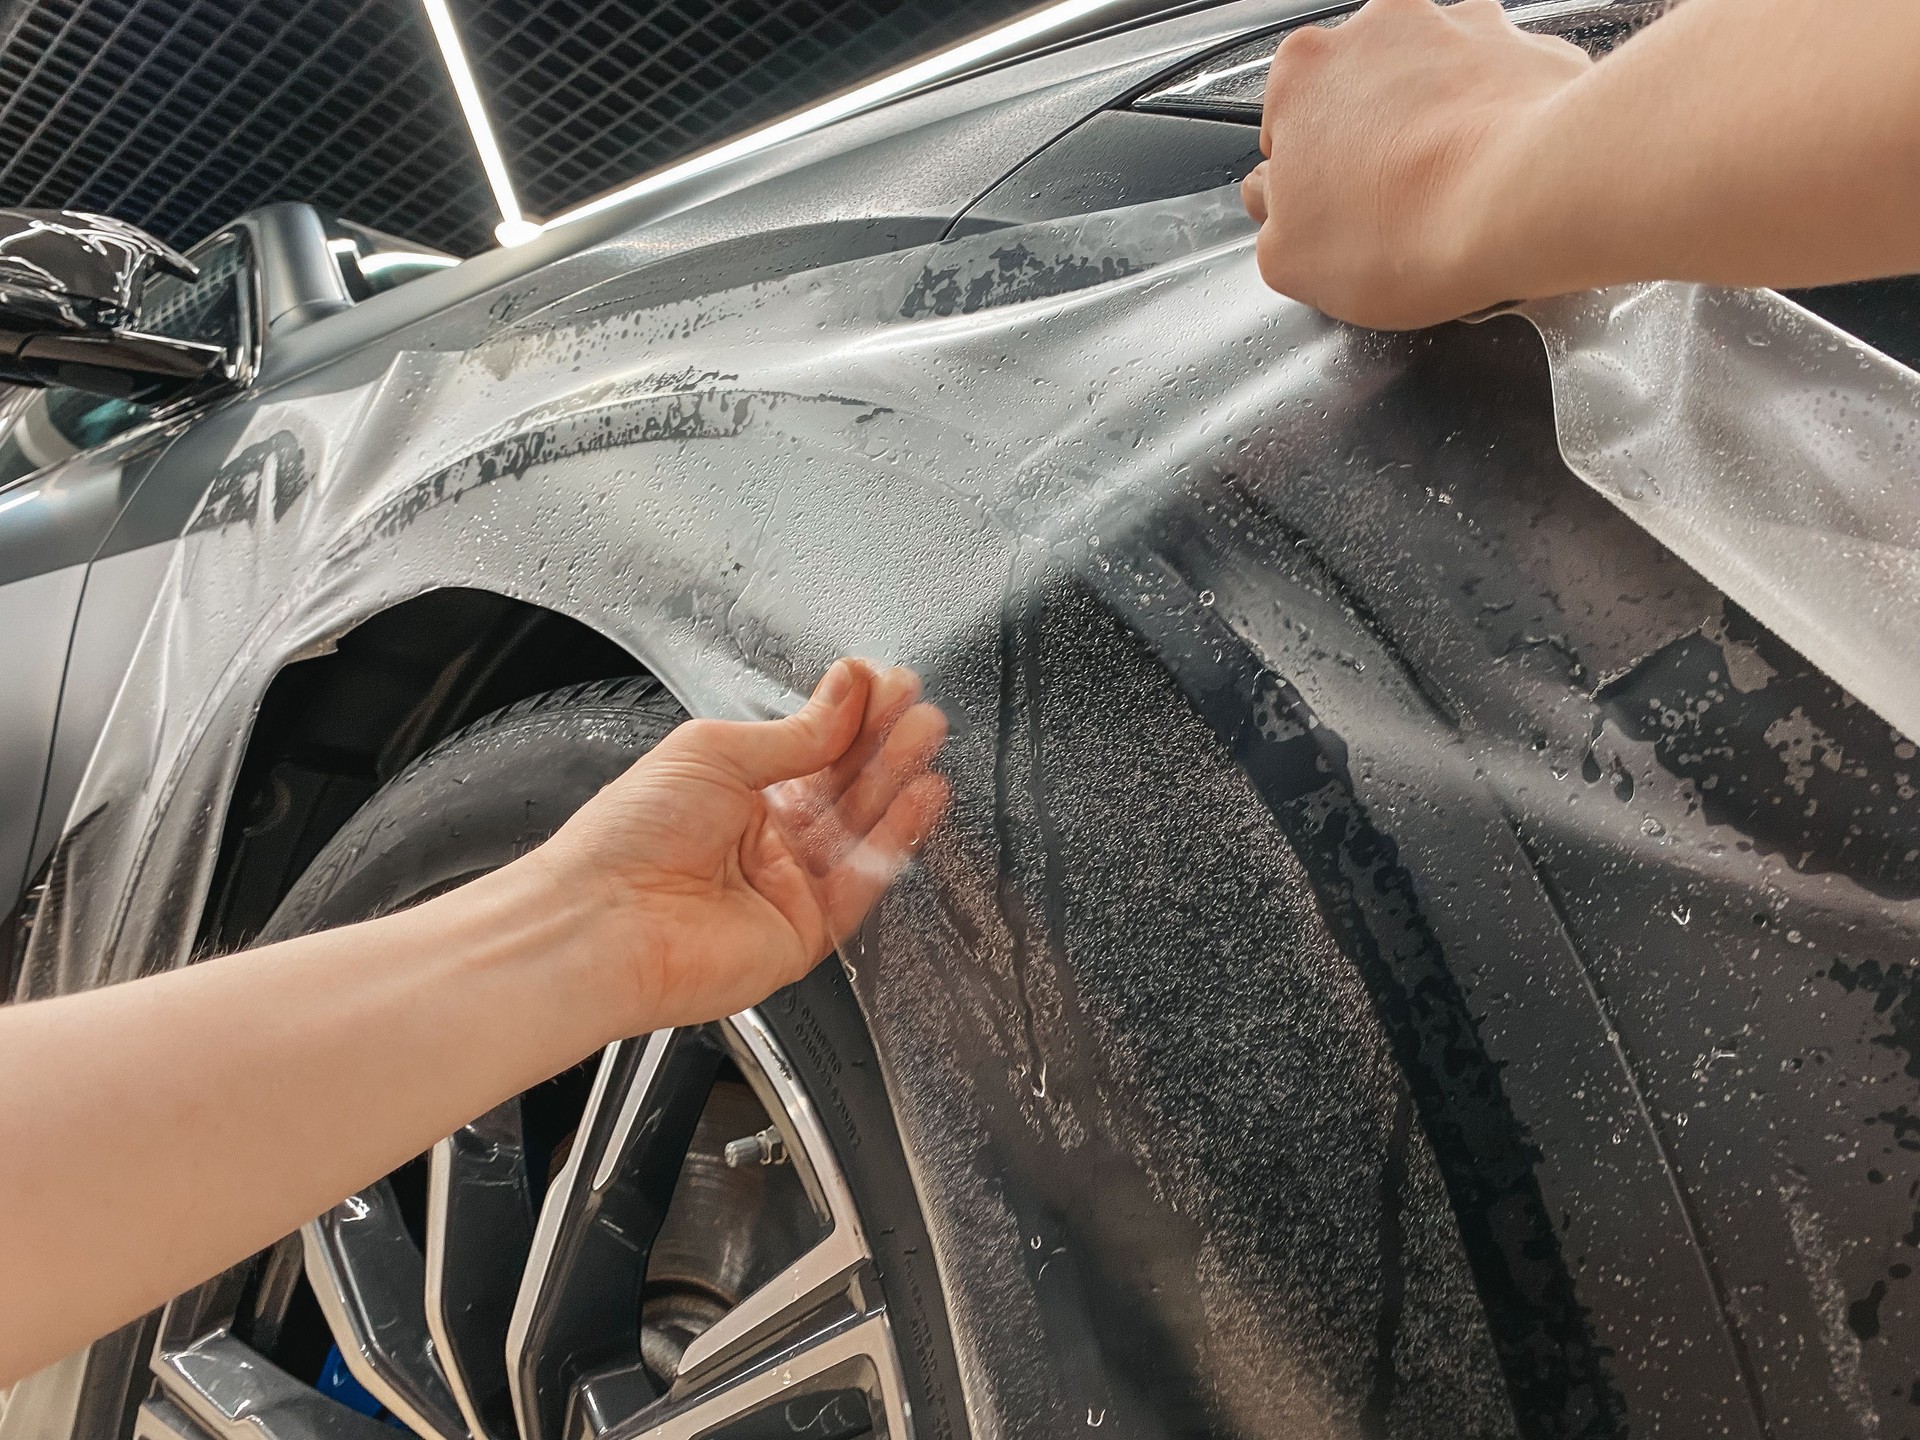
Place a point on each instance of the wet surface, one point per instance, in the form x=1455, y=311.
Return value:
x=1410, y=956
x=276, y=464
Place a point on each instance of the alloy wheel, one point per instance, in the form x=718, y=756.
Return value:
x=696, y=1269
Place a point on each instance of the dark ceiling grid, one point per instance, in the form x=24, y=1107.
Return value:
x=179, y=114
x=588, y=94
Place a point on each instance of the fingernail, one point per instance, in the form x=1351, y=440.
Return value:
x=835, y=684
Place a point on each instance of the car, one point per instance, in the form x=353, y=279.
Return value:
x=1415, y=950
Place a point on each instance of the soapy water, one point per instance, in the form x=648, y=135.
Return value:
x=968, y=458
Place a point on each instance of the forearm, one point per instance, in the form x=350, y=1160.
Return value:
x=178, y=1124
x=154, y=1133
x=1739, y=142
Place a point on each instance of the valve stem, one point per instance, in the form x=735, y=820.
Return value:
x=763, y=1148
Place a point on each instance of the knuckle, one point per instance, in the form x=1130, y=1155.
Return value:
x=700, y=734
x=1280, y=266
x=1271, y=270
x=1300, y=46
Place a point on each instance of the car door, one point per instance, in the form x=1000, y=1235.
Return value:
x=1730, y=1172
x=70, y=463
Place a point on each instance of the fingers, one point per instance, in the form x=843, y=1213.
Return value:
x=1267, y=107
x=760, y=753
x=1253, y=193
x=1562, y=49
x=808, y=803
x=905, y=756
x=912, y=742
x=846, y=783
x=892, y=691
x=1297, y=48
x=825, y=816
x=848, y=891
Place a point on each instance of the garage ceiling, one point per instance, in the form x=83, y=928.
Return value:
x=179, y=114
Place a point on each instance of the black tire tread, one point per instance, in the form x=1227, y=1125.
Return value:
x=620, y=694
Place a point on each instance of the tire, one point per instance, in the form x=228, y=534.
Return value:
x=503, y=785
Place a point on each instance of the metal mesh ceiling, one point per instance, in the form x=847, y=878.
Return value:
x=590, y=93
x=179, y=114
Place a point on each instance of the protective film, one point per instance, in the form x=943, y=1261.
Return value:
x=1414, y=951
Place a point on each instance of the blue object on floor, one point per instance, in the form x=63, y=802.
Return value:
x=336, y=1382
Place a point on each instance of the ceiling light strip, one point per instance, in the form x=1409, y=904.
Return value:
x=935, y=67
x=514, y=228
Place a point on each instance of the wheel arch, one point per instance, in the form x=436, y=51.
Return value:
x=332, y=729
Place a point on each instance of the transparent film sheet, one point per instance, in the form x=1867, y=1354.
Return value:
x=1776, y=454
x=1062, y=470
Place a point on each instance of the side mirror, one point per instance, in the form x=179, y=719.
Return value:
x=70, y=287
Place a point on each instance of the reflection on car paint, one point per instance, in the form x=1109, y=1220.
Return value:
x=277, y=464
x=1366, y=897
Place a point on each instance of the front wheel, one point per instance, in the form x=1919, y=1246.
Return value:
x=702, y=1232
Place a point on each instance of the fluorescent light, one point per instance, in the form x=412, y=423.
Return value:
x=935, y=67
x=516, y=231
x=386, y=259
x=514, y=228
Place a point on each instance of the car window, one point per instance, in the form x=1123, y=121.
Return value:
x=44, y=427
x=210, y=308
x=385, y=269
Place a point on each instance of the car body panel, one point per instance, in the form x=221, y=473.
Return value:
x=112, y=616
x=36, y=623
x=883, y=180
x=1336, y=932
x=737, y=486
x=51, y=525
x=927, y=156
x=61, y=516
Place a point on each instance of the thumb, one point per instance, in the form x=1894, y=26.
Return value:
x=760, y=753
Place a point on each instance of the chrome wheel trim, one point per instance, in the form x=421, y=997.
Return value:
x=579, y=1291
x=816, y=1335
x=858, y=1348
x=230, y=1393
x=835, y=1262
x=371, y=1285
x=477, y=1203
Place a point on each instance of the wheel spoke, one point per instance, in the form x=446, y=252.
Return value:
x=370, y=1279
x=827, y=1268
x=508, y=1328
x=766, y=1069
x=160, y=1419
x=479, y=1232
x=578, y=1308
x=843, y=1381
x=280, y=1273
x=227, y=1389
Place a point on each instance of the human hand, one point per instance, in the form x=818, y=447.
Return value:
x=1380, y=201
x=735, y=854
